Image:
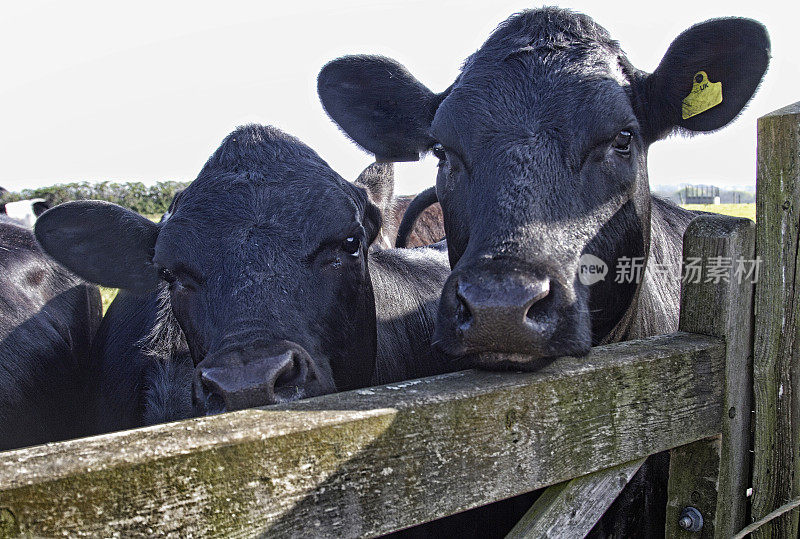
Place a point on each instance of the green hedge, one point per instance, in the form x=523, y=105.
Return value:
x=137, y=196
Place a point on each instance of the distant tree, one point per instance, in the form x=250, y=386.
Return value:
x=137, y=196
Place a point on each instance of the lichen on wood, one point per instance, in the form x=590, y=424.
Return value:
x=370, y=461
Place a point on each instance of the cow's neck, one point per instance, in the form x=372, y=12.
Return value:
x=657, y=307
x=407, y=284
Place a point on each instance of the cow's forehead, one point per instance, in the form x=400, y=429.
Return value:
x=550, y=42
x=286, y=201
x=249, y=216
x=259, y=168
x=549, y=32
x=522, y=104
x=541, y=70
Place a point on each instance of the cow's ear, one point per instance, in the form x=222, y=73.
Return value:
x=705, y=79
x=40, y=207
x=378, y=180
x=373, y=221
x=172, y=205
x=101, y=242
x=380, y=105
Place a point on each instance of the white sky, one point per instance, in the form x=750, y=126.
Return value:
x=146, y=90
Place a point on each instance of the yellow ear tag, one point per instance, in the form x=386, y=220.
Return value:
x=704, y=95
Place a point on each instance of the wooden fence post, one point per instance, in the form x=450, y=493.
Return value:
x=713, y=475
x=776, y=466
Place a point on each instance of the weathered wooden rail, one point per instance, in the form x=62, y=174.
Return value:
x=370, y=461
x=367, y=462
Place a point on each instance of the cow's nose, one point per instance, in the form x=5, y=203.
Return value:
x=510, y=312
x=509, y=304
x=258, y=380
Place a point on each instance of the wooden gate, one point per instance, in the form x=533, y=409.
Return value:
x=370, y=461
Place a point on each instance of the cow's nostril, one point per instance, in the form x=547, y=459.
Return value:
x=463, y=312
x=293, y=377
x=287, y=377
x=539, y=303
x=530, y=314
x=296, y=371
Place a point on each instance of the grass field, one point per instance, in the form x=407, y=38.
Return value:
x=736, y=210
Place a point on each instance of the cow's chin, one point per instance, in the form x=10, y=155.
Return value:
x=204, y=406
x=528, y=361
x=495, y=361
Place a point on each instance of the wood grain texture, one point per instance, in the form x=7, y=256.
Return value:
x=693, y=482
x=370, y=461
x=571, y=509
x=721, y=309
x=776, y=466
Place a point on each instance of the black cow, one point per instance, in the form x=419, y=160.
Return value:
x=255, y=288
x=426, y=227
x=25, y=211
x=47, y=319
x=542, y=144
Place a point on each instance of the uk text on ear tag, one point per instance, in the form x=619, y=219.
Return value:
x=704, y=95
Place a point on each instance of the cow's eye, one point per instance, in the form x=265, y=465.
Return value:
x=438, y=151
x=351, y=246
x=622, y=142
x=167, y=275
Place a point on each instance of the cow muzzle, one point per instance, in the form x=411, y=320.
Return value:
x=248, y=377
x=496, y=308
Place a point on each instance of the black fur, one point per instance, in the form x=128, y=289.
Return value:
x=39, y=207
x=407, y=285
x=378, y=181
x=47, y=320
x=250, y=259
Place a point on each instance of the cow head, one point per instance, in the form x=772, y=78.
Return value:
x=542, y=145
x=262, y=261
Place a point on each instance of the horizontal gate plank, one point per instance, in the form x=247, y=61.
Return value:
x=373, y=460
